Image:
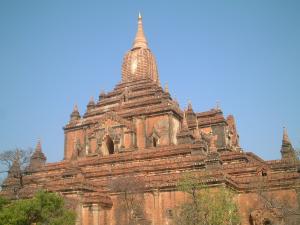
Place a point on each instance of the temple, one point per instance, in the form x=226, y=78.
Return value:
x=138, y=131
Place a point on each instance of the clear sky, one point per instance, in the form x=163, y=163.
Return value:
x=244, y=54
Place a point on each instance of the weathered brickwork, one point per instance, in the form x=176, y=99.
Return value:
x=138, y=131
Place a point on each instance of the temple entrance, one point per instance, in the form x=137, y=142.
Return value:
x=108, y=146
x=154, y=142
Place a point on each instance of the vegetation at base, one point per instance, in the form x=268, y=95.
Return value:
x=206, y=206
x=130, y=209
x=20, y=157
x=43, y=208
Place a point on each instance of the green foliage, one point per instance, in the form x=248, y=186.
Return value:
x=43, y=208
x=3, y=202
x=208, y=206
x=190, y=184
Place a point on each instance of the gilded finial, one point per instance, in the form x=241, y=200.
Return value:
x=140, y=39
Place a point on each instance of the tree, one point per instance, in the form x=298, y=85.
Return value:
x=130, y=207
x=278, y=210
x=8, y=157
x=207, y=206
x=43, y=208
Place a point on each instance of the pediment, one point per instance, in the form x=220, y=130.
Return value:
x=111, y=119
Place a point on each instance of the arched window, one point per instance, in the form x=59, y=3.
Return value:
x=267, y=222
x=262, y=172
x=109, y=144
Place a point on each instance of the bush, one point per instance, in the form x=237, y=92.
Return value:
x=43, y=208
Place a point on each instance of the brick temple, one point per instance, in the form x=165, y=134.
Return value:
x=138, y=130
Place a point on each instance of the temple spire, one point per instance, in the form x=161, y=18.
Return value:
x=75, y=108
x=185, y=136
x=285, y=138
x=190, y=107
x=140, y=39
x=91, y=104
x=184, y=121
x=139, y=62
x=75, y=115
x=38, y=147
x=38, y=153
x=287, y=150
x=166, y=88
x=38, y=159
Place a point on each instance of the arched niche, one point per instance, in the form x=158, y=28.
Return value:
x=267, y=222
x=107, y=146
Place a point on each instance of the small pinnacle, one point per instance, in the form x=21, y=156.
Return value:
x=190, y=105
x=75, y=108
x=166, y=88
x=184, y=121
x=75, y=115
x=91, y=100
x=285, y=137
x=198, y=132
x=140, y=16
x=38, y=145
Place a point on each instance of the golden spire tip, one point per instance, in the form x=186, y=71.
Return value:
x=140, y=39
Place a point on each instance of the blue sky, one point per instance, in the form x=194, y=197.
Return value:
x=244, y=54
